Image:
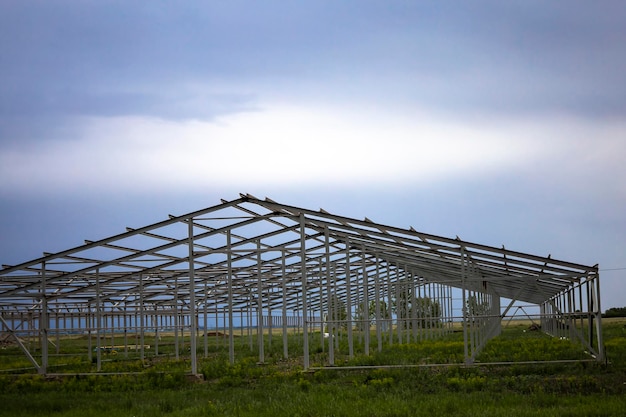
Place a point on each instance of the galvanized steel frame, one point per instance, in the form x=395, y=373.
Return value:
x=257, y=257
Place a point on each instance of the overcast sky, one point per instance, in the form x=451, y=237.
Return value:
x=501, y=122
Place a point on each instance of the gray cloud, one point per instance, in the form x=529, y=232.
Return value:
x=112, y=58
x=65, y=59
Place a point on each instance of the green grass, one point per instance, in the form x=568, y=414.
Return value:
x=280, y=388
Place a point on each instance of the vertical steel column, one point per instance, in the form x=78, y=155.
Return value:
x=260, y=339
x=284, y=306
x=349, y=301
x=330, y=306
x=428, y=317
x=297, y=316
x=268, y=317
x=224, y=317
x=28, y=329
x=98, y=323
x=125, y=330
x=141, y=318
x=471, y=320
x=445, y=309
x=397, y=291
x=379, y=337
x=175, y=317
x=420, y=296
x=135, y=326
x=193, y=320
x=390, y=302
x=414, y=308
x=157, y=328
x=451, y=313
x=559, y=315
x=464, y=309
x=601, y=354
x=478, y=322
x=44, y=322
x=582, y=307
x=112, y=328
x=542, y=316
x=427, y=320
x=437, y=309
x=205, y=337
x=441, y=312
x=590, y=308
x=241, y=332
x=231, y=332
x=58, y=329
x=336, y=331
x=88, y=324
x=366, y=306
x=570, y=314
x=321, y=304
x=303, y=271
x=497, y=310
x=217, y=326
x=249, y=319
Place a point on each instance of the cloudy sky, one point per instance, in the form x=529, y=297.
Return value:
x=501, y=122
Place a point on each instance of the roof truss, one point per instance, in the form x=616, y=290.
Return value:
x=260, y=240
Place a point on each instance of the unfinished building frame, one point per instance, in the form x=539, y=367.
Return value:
x=251, y=265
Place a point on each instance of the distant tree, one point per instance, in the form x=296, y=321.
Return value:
x=359, y=315
x=615, y=312
x=337, y=314
x=362, y=322
x=476, y=308
x=383, y=315
x=428, y=312
x=425, y=311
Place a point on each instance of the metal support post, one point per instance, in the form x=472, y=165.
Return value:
x=175, y=318
x=303, y=271
x=231, y=333
x=142, y=353
x=98, y=323
x=205, y=336
x=379, y=338
x=284, y=306
x=414, y=289
x=349, y=301
x=157, y=328
x=125, y=330
x=465, y=312
x=601, y=354
x=366, y=307
x=44, y=324
x=389, y=303
x=89, y=326
x=330, y=305
x=260, y=339
x=193, y=322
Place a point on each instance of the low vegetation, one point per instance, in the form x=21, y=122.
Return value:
x=162, y=387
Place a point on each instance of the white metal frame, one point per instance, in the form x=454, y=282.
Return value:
x=256, y=257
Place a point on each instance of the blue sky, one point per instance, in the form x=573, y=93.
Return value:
x=501, y=122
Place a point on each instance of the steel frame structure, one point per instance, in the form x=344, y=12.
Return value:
x=259, y=263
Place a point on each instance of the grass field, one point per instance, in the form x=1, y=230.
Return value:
x=280, y=388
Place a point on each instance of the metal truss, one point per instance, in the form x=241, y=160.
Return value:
x=258, y=263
